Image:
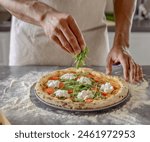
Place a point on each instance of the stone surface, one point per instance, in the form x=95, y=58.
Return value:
x=20, y=108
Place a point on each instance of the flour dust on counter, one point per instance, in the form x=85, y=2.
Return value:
x=16, y=104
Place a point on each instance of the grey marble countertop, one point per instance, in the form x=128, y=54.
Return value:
x=20, y=108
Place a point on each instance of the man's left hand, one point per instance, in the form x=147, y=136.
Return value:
x=131, y=70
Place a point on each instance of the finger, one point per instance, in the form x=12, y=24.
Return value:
x=71, y=38
x=126, y=69
x=109, y=64
x=139, y=73
x=132, y=71
x=63, y=41
x=75, y=29
x=136, y=73
x=56, y=40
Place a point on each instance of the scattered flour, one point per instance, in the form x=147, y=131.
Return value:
x=16, y=104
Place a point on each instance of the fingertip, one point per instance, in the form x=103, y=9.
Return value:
x=77, y=52
x=132, y=81
x=83, y=46
x=108, y=72
x=126, y=79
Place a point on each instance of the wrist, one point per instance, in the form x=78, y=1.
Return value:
x=48, y=14
x=41, y=11
x=121, y=40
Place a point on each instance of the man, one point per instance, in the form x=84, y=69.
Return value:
x=29, y=45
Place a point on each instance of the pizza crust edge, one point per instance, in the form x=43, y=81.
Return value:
x=67, y=103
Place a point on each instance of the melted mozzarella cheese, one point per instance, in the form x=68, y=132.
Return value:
x=85, y=94
x=84, y=80
x=62, y=93
x=107, y=87
x=68, y=76
x=53, y=83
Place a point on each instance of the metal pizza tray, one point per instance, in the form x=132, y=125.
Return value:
x=44, y=105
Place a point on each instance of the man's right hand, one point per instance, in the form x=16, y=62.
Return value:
x=63, y=30
x=60, y=27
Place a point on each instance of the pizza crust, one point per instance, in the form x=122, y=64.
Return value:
x=69, y=104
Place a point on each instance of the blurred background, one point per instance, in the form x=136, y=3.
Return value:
x=140, y=37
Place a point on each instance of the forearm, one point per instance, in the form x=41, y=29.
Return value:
x=30, y=11
x=124, y=11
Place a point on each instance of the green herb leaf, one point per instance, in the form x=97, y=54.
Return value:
x=80, y=58
x=97, y=95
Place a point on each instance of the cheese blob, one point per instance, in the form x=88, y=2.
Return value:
x=84, y=80
x=107, y=87
x=53, y=83
x=62, y=93
x=85, y=94
x=69, y=76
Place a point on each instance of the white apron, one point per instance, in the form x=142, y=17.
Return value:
x=30, y=46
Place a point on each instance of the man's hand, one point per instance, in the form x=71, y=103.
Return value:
x=124, y=12
x=132, y=71
x=60, y=27
x=63, y=30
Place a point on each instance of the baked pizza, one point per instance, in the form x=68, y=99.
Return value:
x=81, y=89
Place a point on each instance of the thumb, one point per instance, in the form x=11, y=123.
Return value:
x=109, y=64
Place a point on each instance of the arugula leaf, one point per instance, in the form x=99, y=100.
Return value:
x=76, y=86
x=80, y=58
x=97, y=95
